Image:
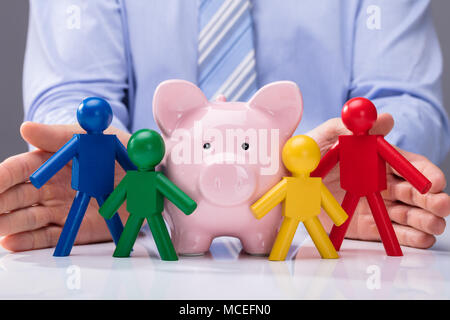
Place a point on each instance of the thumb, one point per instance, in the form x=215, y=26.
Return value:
x=51, y=138
x=383, y=125
x=327, y=134
x=46, y=137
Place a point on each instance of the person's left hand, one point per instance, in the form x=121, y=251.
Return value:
x=417, y=218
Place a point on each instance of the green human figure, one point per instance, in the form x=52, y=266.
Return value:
x=145, y=189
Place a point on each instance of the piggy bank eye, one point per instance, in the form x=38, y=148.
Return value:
x=245, y=146
x=206, y=145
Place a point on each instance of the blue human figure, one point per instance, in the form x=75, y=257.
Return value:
x=93, y=155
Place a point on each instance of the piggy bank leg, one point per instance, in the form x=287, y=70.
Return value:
x=259, y=242
x=191, y=242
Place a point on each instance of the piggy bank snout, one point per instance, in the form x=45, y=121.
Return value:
x=227, y=184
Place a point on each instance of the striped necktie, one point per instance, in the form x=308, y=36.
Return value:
x=226, y=54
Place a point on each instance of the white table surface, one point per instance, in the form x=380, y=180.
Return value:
x=227, y=273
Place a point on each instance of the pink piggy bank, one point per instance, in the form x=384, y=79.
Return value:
x=225, y=155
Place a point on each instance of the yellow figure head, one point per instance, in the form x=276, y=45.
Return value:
x=301, y=155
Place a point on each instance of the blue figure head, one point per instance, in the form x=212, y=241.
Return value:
x=94, y=115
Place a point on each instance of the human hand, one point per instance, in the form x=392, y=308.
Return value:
x=417, y=218
x=33, y=218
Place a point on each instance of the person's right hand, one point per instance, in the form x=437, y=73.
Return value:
x=33, y=218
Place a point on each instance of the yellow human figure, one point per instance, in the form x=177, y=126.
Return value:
x=302, y=197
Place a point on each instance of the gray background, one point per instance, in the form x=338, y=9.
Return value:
x=13, y=28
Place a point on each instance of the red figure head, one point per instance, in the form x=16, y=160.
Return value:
x=359, y=115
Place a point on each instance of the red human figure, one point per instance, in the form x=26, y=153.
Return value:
x=363, y=160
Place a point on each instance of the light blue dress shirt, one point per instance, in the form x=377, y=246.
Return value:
x=333, y=50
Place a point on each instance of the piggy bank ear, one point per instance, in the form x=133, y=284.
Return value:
x=172, y=100
x=283, y=101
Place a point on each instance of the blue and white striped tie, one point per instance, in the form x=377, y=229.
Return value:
x=226, y=54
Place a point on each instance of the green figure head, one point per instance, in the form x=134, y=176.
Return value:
x=146, y=149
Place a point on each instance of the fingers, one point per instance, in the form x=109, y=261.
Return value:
x=22, y=196
x=427, y=168
x=27, y=219
x=411, y=237
x=93, y=229
x=401, y=190
x=366, y=229
x=48, y=137
x=45, y=237
x=17, y=169
x=416, y=218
